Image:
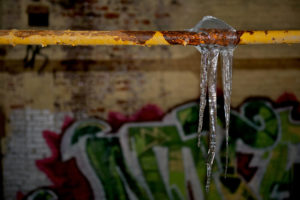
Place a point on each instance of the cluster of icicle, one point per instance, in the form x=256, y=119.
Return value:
x=208, y=82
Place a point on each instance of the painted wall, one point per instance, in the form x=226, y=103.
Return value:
x=119, y=122
x=153, y=155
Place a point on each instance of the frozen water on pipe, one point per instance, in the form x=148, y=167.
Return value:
x=203, y=87
x=227, y=55
x=212, y=100
x=208, y=81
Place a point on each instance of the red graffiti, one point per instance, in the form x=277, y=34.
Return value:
x=149, y=112
x=68, y=181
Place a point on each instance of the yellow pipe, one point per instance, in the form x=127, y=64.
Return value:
x=270, y=37
x=209, y=36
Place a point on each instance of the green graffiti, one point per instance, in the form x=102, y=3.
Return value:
x=257, y=126
x=42, y=194
x=106, y=158
x=162, y=150
x=86, y=129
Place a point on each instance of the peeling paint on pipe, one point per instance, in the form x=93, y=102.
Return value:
x=269, y=37
x=146, y=38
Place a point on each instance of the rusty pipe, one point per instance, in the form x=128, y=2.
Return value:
x=147, y=38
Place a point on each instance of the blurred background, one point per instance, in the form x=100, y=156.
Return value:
x=119, y=122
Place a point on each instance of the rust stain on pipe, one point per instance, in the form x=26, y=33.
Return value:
x=205, y=36
x=24, y=34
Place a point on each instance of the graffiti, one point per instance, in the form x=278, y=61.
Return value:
x=158, y=159
x=42, y=194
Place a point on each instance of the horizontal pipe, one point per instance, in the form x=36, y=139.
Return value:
x=270, y=37
x=148, y=38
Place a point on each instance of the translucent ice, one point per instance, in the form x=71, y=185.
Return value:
x=227, y=55
x=208, y=81
x=203, y=87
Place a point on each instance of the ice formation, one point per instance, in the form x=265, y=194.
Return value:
x=208, y=82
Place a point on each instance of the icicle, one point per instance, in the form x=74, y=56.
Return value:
x=212, y=100
x=208, y=81
x=203, y=87
x=227, y=54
